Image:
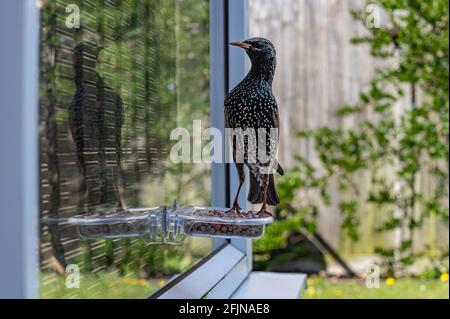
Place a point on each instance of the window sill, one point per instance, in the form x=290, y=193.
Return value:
x=271, y=285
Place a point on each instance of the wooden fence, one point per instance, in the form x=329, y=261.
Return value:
x=318, y=71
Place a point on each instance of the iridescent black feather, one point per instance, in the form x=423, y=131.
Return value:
x=251, y=104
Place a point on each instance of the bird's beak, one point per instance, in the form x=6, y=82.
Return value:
x=241, y=45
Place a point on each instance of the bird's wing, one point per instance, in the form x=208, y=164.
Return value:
x=276, y=124
x=276, y=119
x=229, y=121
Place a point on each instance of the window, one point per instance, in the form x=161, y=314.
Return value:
x=111, y=91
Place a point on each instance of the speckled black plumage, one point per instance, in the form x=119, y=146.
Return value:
x=251, y=104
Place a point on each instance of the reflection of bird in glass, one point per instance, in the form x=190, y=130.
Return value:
x=95, y=119
x=251, y=105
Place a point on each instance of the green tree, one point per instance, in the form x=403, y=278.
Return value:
x=398, y=142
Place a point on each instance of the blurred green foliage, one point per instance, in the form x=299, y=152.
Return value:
x=395, y=146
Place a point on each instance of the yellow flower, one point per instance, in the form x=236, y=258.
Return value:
x=310, y=281
x=129, y=281
x=390, y=281
x=311, y=292
x=444, y=277
x=143, y=282
x=134, y=282
x=339, y=293
x=161, y=282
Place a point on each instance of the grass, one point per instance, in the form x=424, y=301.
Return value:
x=324, y=288
x=100, y=286
x=111, y=285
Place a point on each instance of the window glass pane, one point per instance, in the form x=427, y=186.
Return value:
x=111, y=91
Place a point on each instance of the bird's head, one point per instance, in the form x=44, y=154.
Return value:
x=260, y=51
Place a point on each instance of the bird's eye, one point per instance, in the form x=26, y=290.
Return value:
x=255, y=46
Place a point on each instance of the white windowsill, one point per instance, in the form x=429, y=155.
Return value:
x=271, y=285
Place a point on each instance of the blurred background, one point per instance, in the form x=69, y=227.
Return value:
x=363, y=94
x=362, y=89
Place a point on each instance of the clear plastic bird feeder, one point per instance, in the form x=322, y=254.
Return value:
x=170, y=225
x=217, y=222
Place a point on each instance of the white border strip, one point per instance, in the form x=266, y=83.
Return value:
x=19, y=59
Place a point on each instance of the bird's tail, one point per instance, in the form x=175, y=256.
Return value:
x=256, y=192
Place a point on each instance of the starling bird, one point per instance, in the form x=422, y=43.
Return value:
x=95, y=121
x=251, y=107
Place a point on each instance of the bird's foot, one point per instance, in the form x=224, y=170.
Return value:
x=120, y=209
x=263, y=212
x=235, y=209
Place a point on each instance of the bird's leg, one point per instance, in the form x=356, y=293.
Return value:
x=235, y=208
x=120, y=206
x=265, y=183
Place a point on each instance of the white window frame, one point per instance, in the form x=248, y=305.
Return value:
x=228, y=22
x=216, y=276
x=19, y=59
